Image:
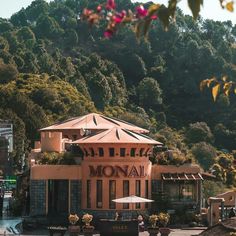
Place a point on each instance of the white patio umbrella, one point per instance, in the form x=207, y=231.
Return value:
x=132, y=199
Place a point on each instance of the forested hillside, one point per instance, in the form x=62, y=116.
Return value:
x=54, y=66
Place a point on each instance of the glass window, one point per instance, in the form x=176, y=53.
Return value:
x=101, y=152
x=138, y=191
x=92, y=152
x=125, y=193
x=111, y=152
x=122, y=152
x=180, y=191
x=132, y=152
x=88, y=193
x=141, y=152
x=99, y=193
x=112, y=194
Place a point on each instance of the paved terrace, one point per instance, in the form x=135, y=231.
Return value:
x=175, y=232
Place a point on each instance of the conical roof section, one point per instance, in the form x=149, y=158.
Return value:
x=93, y=121
x=117, y=135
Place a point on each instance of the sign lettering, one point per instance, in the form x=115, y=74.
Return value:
x=117, y=171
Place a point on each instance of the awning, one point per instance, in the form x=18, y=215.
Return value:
x=181, y=176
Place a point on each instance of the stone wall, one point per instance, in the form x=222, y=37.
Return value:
x=37, y=197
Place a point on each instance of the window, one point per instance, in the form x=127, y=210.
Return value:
x=99, y=193
x=146, y=192
x=101, y=152
x=92, y=152
x=112, y=194
x=122, y=152
x=146, y=153
x=132, y=152
x=141, y=152
x=138, y=191
x=88, y=193
x=111, y=152
x=85, y=152
x=125, y=193
x=180, y=191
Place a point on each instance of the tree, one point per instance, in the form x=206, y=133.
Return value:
x=199, y=132
x=7, y=73
x=204, y=153
x=149, y=93
x=47, y=26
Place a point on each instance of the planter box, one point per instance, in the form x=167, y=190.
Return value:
x=118, y=228
x=74, y=230
x=153, y=231
x=165, y=231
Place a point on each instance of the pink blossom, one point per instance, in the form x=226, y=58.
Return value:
x=141, y=11
x=99, y=8
x=108, y=34
x=154, y=17
x=110, y=4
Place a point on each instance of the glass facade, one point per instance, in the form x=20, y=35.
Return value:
x=125, y=193
x=180, y=191
x=112, y=194
x=88, y=193
x=138, y=192
x=99, y=193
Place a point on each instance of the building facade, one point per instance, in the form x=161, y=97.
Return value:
x=112, y=162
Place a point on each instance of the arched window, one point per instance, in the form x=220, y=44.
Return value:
x=86, y=152
x=132, y=152
x=111, y=152
x=92, y=152
x=141, y=152
x=122, y=152
x=101, y=152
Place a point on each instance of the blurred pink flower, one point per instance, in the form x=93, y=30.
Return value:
x=108, y=34
x=154, y=17
x=99, y=8
x=110, y=4
x=141, y=11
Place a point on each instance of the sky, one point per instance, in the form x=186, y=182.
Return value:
x=210, y=10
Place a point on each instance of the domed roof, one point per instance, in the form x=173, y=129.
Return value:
x=117, y=135
x=93, y=121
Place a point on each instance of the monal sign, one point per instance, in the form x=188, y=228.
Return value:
x=117, y=171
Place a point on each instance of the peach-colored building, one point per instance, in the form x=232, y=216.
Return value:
x=112, y=162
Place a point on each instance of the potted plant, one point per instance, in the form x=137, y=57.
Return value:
x=73, y=228
x=153, y=230
x=87, y=228
x=163, y=219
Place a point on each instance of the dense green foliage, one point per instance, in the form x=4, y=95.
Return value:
x=53, y=66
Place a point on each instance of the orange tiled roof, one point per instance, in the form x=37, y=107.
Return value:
x=94, y=121
x=117, y=135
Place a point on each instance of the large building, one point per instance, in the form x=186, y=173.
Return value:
x=112, y=162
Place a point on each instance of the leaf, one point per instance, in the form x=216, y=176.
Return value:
x=195, y=6
x=215, y=91
x=172, y=7
x=164, y=16
x=153, y=9
x=146, y=27
x=138, y=29
x=203, y=84
x=230, y=6
x=227, y=87
x=209, y=81
x=234, y=90
x=224, y=78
